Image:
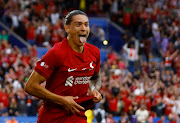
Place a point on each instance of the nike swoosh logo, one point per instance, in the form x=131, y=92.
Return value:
x=70, y=70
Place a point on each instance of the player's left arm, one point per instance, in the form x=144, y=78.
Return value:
x=95, y=82
x=95, y=86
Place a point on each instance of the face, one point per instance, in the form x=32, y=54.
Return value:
x=78, y=29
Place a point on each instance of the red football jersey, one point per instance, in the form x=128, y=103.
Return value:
x=67, y=72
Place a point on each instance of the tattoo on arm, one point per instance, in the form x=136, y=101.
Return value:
x=95, y=82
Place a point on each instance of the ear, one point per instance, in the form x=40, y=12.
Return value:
x=66, y=27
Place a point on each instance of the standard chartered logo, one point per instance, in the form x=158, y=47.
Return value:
x=82, y=80
x=78, y=80
x=69, y=81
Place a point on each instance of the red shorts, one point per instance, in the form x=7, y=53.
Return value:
x=56, y=114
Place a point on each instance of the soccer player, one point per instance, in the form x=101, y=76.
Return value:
x=71, y=71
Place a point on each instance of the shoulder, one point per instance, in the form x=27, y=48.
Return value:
x=60, y=45
x=58, y=48
x=93, y=49
x=55, y=53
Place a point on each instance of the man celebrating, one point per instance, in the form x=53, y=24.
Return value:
x=71, y=71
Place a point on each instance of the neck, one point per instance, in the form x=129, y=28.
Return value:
x=74, y=46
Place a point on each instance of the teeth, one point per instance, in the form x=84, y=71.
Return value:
x=82, y=35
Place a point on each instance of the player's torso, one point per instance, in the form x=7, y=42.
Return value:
x=73, y=75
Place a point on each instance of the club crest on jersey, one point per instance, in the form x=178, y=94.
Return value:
x=91, y=66
x=43, y=64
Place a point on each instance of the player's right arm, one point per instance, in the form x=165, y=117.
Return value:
x=34, y=88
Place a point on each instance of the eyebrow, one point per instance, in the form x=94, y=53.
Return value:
x=81, y=22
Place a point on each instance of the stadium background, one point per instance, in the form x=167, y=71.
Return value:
x=147, y=74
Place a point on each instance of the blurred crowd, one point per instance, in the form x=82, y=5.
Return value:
x=41, y=22
x=15, y=68
x=140, y=82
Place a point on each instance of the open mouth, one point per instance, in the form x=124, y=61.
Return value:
x=82, y=38
x=82, y=35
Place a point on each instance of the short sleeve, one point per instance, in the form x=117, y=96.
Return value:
x=47, y=64
x=97, y=62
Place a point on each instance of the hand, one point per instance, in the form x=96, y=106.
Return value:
x=97, y=96
x=71, y=106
